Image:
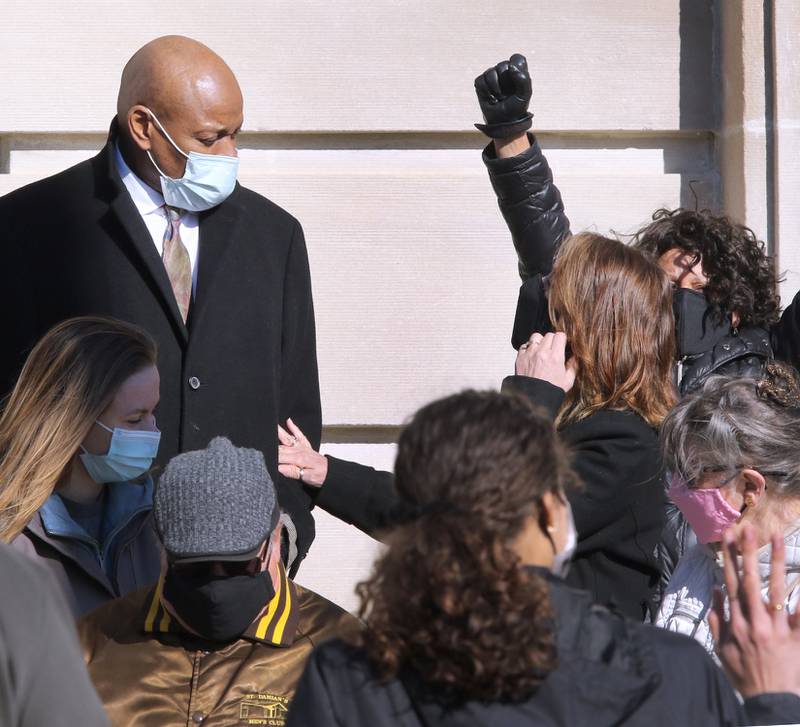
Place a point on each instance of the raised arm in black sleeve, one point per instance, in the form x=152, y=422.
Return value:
x=531, y=205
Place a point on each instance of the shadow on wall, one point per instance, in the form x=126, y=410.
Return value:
x=700, y=100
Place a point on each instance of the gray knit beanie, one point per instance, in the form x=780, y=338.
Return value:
x=217, y=503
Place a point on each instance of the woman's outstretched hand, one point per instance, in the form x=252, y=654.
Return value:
x=544, y=357
x=297, y=459
x=758, y=643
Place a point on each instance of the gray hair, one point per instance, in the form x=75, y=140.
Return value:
x=735, y=423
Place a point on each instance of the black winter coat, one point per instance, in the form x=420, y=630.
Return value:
x=611, y=671
x=619, y=513
x=74, y=244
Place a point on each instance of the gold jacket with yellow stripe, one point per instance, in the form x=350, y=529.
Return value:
x=149, y=671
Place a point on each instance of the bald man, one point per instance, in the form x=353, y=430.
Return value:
x=156, y=230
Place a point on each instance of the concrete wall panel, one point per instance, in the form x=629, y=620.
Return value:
x=357, y=66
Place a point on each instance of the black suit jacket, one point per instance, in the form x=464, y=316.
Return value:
x=75, y=244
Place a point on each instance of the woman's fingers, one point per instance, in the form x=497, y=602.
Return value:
x=284, y=437
x=731, y=577
x=297, y=432
x=777, y=579
x=751, y=578
x=299, y=457
x=716, y=617
x=290, y=471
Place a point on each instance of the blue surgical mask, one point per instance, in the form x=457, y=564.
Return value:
x=130, y=455
x=208, y=181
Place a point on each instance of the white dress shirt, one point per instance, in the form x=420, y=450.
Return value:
x=150, y=205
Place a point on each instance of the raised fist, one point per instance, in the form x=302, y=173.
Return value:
x=504, y=93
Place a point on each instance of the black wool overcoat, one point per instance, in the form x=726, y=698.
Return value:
x=75, y=244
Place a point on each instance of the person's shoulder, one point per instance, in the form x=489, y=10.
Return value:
x=676, y=653
x=321, y=619
x=624, y=430
x=671, y=650
x=259, y=205
x=18, y=565
x=112, y=618
x=50, y=190
x=338, y=656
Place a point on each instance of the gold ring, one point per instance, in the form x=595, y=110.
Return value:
x=776, y=606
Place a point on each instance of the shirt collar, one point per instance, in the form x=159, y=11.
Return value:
x=276, y=627
x=146, y=199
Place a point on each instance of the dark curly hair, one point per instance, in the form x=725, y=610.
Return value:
x=449, y=600
x=741, y=275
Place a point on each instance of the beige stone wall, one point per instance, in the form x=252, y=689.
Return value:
x=358, y=119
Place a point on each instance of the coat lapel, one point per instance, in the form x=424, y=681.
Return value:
x=219, y=230
x=137, y=243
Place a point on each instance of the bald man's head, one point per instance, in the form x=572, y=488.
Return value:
x=191, y=91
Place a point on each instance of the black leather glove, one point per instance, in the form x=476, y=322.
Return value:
x=504, y=93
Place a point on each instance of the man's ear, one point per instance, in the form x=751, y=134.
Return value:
x=273, y=547
x=754, y=486
x=140, y=126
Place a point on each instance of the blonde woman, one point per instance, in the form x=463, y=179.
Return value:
x=77, y=441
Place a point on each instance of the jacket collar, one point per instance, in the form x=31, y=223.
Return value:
x=125, y=501
x=276, y=627
x=751, y=341
x=144, y=197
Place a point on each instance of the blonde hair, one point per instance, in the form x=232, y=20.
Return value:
x=615, y=306
x=69, y=378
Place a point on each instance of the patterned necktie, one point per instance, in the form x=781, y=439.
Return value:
x=176, y=261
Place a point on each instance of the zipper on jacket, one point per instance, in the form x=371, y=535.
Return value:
x=192, y=713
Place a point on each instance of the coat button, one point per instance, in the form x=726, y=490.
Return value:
x=194, y=382
x=198, y=717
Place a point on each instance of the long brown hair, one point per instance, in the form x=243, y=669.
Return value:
x=69, y=378
x=449, y=598
x=615, y=306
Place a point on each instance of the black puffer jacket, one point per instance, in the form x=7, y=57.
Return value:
x=531, y=205
x=611, y=671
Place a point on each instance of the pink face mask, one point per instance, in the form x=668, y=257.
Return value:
x=706, y=510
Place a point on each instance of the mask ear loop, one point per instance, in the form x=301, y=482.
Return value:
x=103, y=426
x=170, y=140
x=166, y=133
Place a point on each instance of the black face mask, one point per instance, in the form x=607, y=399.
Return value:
x=697, y=326
x=219, y=608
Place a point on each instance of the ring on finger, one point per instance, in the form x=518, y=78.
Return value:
x=776, y=607
x=302, y=469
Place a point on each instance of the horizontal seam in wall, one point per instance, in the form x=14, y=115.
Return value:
x=396, y=140
x=361, y=434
